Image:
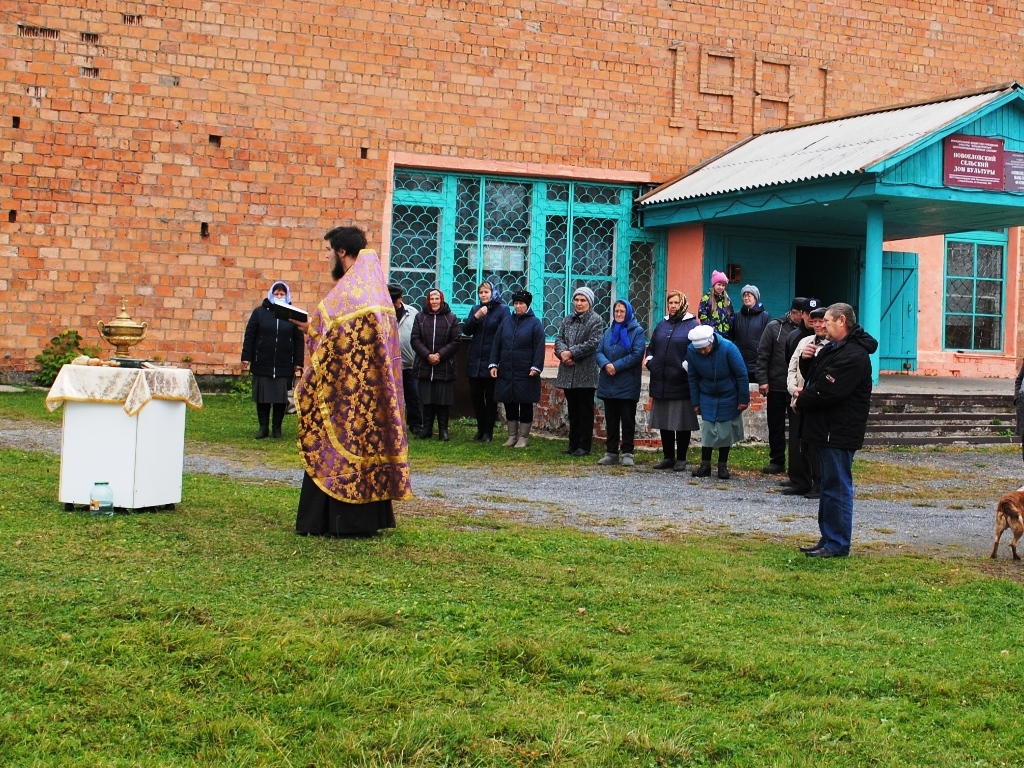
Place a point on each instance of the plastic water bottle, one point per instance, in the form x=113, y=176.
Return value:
x=101, y=500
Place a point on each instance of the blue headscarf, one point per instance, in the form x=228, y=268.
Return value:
x=619, y=329
x=495, y=291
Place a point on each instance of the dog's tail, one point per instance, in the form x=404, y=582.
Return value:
x=1010, y=510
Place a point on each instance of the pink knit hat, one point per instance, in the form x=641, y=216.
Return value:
x=718, y=277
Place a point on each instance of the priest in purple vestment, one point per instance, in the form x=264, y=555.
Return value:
x=350, y=401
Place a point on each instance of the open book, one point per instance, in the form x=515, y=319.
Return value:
x=288, y=312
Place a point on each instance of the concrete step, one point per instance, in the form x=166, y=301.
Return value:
x=938, y=427
x=940, y=440
x=898, y=418
x=965, y=416
x=946, y=403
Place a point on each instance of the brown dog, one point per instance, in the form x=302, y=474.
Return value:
x=1010, y=514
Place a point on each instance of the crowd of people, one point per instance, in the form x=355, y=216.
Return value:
x=358, y=364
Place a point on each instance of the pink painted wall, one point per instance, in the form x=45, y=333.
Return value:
x=932, y=359
x=684, y=270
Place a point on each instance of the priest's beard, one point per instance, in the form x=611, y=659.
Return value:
x=339, y=269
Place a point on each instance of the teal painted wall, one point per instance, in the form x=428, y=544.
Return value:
x=769, y=260
x=924, y=167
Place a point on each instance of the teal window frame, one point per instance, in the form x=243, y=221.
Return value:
x=980, y=238
x=440, y=192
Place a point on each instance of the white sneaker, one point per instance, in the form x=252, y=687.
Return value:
x=627, y=460
x=608, y=458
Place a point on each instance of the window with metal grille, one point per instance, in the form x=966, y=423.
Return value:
x=974, y=287
x=454, y=231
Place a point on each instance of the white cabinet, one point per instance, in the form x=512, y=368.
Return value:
x=141, y=456
x=125, y=427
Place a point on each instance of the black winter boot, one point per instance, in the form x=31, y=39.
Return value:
x=263, y=414
x=723, y=462
x=427, y=431
x=668, y=445
x=704, y=470
x=279, y=409
x=442, y=422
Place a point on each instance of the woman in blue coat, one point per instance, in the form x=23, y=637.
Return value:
x=719, y=392
x=517, y=358
x=618, y=384
x=481, y=327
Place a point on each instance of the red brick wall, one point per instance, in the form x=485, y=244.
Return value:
x=111, y=171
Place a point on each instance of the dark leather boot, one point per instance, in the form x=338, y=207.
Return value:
x=442, y=422
x=263, y=414
x=278, y=418
x=704, y=470
x=427, y=430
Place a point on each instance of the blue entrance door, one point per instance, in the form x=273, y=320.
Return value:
x=898, y=342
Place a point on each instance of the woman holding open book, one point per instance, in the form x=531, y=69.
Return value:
x=273, y=352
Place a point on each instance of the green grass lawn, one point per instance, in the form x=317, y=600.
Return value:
x=213, y=635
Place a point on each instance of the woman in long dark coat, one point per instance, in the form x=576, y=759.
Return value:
x=272, y=350
x=517, y=359
x=748, y=326
x=435, y=340
x=481, y=327
x=671, y=412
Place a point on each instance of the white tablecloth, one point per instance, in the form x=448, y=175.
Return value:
x=132, y=387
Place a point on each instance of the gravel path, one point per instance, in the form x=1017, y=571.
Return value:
x=645, y=502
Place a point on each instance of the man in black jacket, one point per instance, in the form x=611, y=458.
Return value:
x=800, y=480
x=834, y=404
x=770, y=371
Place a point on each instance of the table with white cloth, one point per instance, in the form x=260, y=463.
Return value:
x=125, y=427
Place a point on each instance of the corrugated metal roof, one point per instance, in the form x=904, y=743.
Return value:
x=819, y=150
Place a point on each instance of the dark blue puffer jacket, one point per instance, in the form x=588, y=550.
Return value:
x=667, y=351
x=481, y=334
x=718, y=381
x=625, y=384
x=518, y=347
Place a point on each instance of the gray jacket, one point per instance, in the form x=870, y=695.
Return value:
x=405, y=337
x=772, y=366
x=581, y=335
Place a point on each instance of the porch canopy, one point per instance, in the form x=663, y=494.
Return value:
x=949, y=165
